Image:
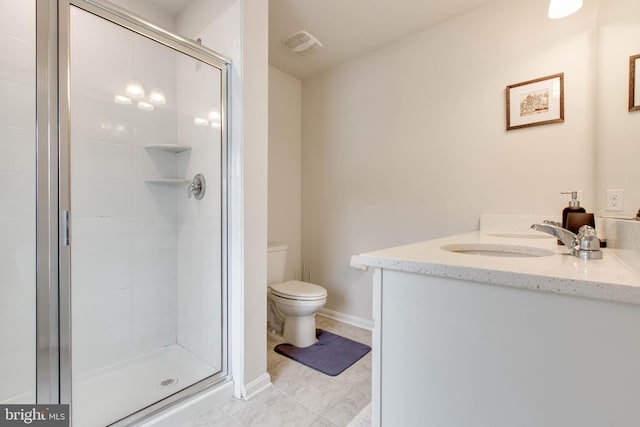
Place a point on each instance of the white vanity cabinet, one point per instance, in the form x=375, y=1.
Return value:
x=449, y=351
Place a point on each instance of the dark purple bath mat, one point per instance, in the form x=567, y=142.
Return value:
x=331, y=355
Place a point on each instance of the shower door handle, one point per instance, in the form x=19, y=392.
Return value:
x=64, y=228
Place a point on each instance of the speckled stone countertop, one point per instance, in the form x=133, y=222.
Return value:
x=608, y=279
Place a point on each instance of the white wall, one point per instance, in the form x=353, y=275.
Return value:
x=618, y=130
x=255, y=75
x=17, y=202
x=238, y=30
x=285, y=180
x=408, y=142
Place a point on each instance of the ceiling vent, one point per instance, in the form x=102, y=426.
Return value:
x=302, y=43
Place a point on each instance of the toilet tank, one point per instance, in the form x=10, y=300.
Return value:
x=276, y=263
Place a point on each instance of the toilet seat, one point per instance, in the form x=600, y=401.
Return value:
x=297, y=290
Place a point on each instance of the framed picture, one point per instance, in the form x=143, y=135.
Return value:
x=535, y=102
x=634, y=83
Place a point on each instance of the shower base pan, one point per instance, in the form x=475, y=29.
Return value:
x=103, y=397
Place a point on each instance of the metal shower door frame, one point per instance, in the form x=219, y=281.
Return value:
x=47, y=241
x=54, y=233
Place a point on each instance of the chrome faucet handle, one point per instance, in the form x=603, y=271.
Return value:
x=588, y=239
x=193, y=188
x=197, y=187
x=549, y=222
x=562, y=234
x=585, y=245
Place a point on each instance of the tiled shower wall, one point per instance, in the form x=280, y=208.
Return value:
x=199, y=221
x=17, y=201
x=145, y=257
x=124, y=229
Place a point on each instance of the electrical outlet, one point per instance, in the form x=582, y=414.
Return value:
x=615, y=200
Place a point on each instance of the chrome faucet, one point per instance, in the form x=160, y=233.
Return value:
x=585, y=244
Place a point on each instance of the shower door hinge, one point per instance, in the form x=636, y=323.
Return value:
x=64, y=228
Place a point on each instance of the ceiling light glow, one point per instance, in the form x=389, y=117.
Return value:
x=157, y=97
x=135, y=89
x=119, y=99
x=145, y=106
x=214, y=115
x=562, y=8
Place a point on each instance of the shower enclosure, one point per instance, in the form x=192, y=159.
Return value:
x=113, y=293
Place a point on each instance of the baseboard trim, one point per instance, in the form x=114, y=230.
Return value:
x=257, y=386
x=358, y=322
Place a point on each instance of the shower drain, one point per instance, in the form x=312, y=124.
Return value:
x=168, y=382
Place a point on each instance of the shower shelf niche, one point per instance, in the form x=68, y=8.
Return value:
x=171, y=148
x=168, y=148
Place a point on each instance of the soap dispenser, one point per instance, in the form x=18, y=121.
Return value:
x=574, y=207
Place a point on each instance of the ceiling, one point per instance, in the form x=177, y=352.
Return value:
x=346, y=28
x=350, y=28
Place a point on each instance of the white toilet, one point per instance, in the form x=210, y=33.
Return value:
x=292, y=305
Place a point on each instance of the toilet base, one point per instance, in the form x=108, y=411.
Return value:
x=300, y=331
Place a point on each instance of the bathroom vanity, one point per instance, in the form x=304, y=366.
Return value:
x=503, y=329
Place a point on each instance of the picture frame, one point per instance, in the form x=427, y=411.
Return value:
x=535, y=102
x=634, y=83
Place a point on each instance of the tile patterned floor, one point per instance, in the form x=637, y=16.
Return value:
x=300, y=396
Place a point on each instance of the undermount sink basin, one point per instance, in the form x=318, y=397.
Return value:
x=497, y=250
x=522, y=235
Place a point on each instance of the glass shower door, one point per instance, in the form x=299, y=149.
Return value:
x=147, y=243
x=17, y=202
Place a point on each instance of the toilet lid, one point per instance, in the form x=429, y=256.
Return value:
x=295, y=289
